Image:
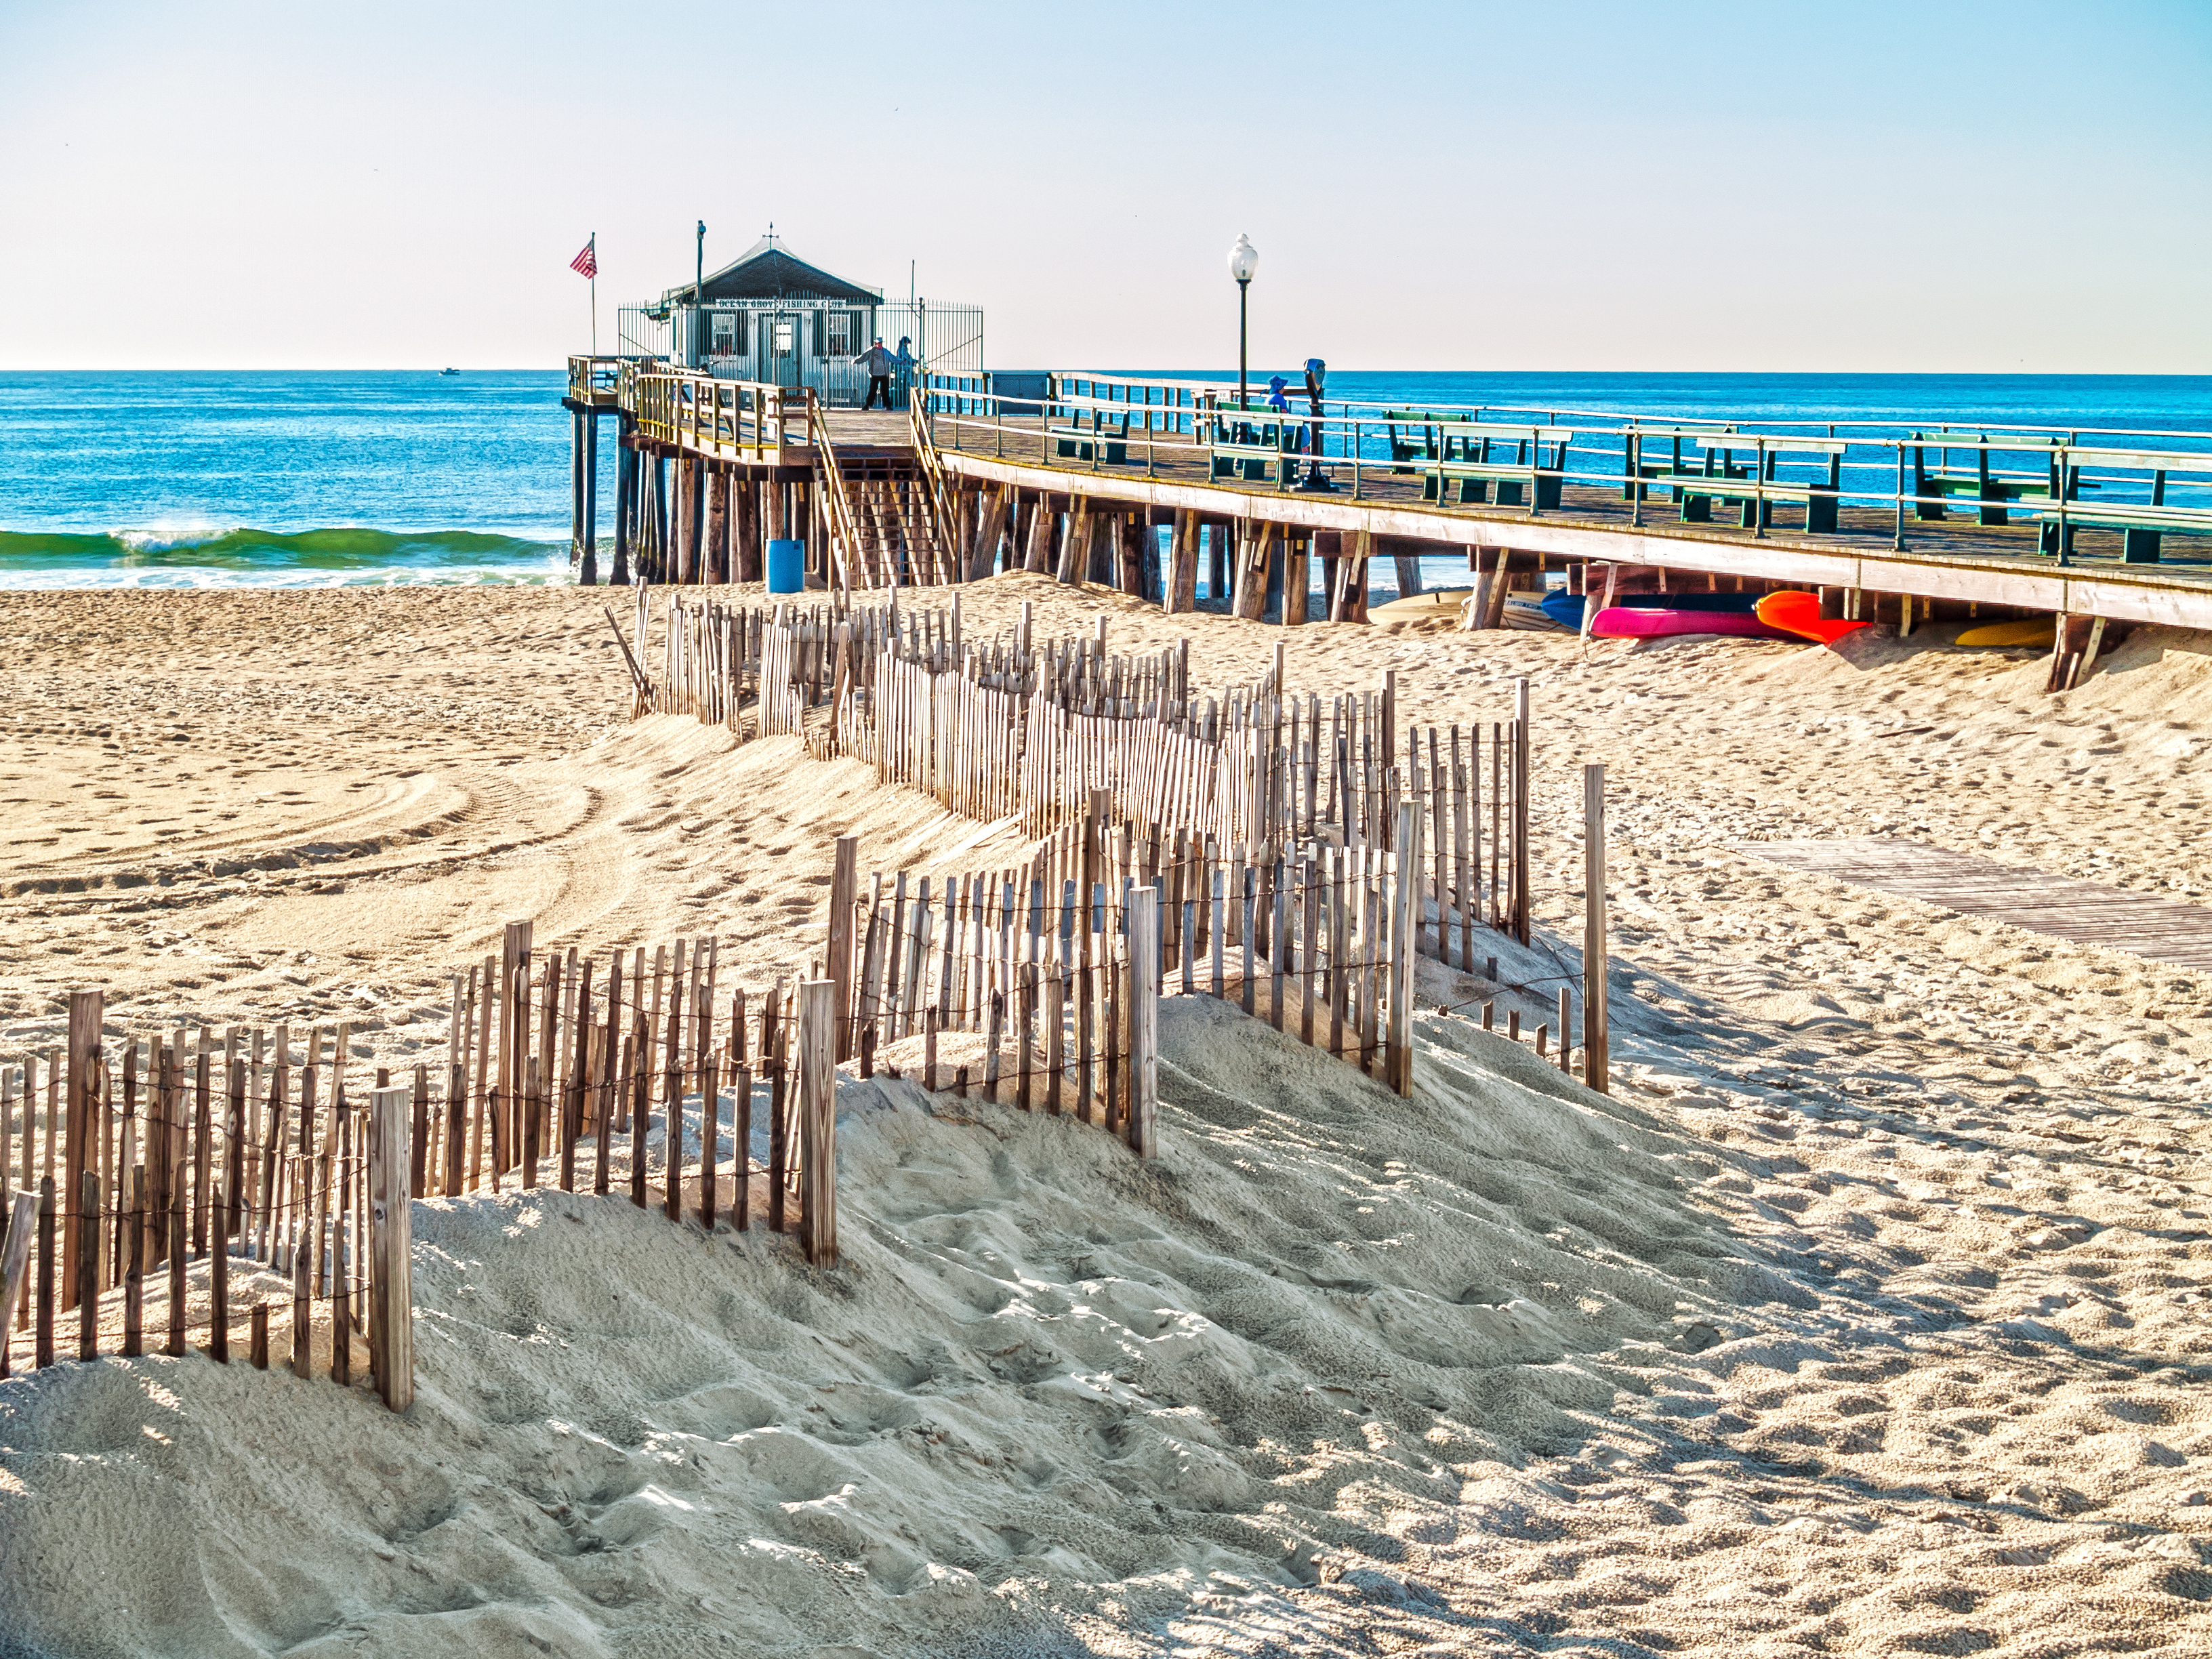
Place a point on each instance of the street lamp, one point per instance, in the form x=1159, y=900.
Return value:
x=699, y=297
x=1243, y=260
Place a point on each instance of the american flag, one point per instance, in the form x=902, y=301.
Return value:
x=587, y=264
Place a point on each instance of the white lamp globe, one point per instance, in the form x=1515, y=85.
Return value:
x=1244, y=259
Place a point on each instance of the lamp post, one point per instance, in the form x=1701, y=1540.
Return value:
x=1243, y=260
x=699, y=294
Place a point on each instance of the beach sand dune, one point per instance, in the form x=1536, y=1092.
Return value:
x=1869, y=1312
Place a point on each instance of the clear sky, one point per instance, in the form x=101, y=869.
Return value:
x=1961, y=187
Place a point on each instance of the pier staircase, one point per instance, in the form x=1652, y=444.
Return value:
x=884, y=508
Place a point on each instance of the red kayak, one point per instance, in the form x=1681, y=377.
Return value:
x=1800, y=614
x=1623, y=621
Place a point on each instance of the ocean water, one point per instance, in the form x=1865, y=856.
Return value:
x=254, y=479
x=160, y=480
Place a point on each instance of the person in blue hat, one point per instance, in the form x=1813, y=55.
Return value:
x=1294, y=438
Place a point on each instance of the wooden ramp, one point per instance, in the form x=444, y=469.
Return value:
x=2082, y=911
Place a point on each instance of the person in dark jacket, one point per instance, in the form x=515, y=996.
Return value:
x=880, y=364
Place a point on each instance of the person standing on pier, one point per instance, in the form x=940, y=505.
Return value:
x=1294, y=438
x=880, y=364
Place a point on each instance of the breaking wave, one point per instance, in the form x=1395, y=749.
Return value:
x=169, y=555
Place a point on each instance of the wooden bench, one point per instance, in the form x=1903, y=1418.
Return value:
x=1994, y=490
x=1755, y=489
x=1471, y=459
x=2142, y=525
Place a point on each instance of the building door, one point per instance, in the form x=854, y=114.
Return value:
x=784, y=338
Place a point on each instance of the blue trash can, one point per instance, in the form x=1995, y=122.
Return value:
x=786, y=567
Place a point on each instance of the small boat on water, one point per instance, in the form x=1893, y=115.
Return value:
x=448, y=370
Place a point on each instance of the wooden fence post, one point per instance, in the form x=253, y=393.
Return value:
x=79, y=1137
x=15, y=1264
x=134, y=1275
x=844, y=883
x=42, y=1328
x=1519, y=922
x=304, y=1246
x=86, y=1210
x=818, y=1119
x=1405, y=914
x=1596, y=1057
x=1144, y=1021
x=390, y=1247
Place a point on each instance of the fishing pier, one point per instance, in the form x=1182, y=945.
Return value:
x=1142, y=483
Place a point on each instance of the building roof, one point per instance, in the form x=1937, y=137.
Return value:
x=766, y=271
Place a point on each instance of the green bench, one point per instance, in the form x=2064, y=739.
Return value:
x=1073, y=444
x=1472, y=460
x=1754, y=489
x=1417, y=436
x=2142, y=525
x=1640, y=475
x=1104, y=442
x=1265, y=450
x=1994, y=491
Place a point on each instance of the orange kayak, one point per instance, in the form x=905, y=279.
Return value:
x=1800, y=614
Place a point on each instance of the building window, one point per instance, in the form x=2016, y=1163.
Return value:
x=729, y=336
x=783, y=341
x=844, y=333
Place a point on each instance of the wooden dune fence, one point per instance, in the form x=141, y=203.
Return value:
x=157, y=1156
x=1007, y=729
x=241, y=1155
x=1044, y=960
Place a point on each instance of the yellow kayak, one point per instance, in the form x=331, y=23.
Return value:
x=2033, y=631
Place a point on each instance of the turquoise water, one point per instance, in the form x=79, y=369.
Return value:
x=258, y=479
x=282, y=479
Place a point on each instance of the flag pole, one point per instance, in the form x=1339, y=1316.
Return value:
x=595, y=294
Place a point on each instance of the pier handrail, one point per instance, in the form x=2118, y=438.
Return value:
x=844, y=526
x=1820, y=468
x=716, y=413
x=1555, y=413
x=595, y=379
x=935, y=495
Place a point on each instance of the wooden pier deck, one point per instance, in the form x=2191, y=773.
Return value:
x=1945, y=516
x=2084, y=912
x=1957, y=558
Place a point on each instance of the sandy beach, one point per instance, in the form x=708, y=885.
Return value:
x=1869, y=1315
